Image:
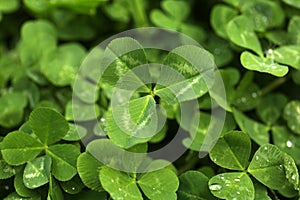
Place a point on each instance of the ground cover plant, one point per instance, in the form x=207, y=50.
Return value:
x=66, y=134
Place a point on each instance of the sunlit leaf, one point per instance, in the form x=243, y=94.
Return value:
x=233, y=185
x=37, y=172
x=252, y=62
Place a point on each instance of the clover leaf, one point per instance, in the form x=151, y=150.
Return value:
x=74, y=5
x=128, y=125
x=293, y=29
x=288, y=55
x=220, y=16
x=61, y=66
x=257, y=131
x=48, y=125
x=269, y=166
x=12, y=106
x=21, y=189
x=287, y=141
x=88, y=169
x=19, y=147
x=292, y=115
x=6, y=170
x=122, y=185
x=237, y=148
x=64, y=157
x=232, y=185
x=253, y=62
x=37, y=172
x=197, y=189
x=270, y=107
x=193, y=80
x=32, y=49
x=240, y=30
x=175, y=14
x=264, y=14
x=294, y=3
x=9, y=6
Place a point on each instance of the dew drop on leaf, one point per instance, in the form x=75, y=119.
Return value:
x=215, y=187
x=237, y=180
x=274, y=67
x=289, y=143
x=102, y=119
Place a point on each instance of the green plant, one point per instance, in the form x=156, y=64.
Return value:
x=66, y=133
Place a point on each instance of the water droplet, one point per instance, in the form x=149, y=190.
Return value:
x=227, y=184
x=254, y=94
x=120, y=189
x=244, y=99
x=214, y=159
x=102, y=119
x=215, y=187
x=281, y=166
x=270, y=51
x=222, y=177
x=154, y=188
x=73, y=188
x=237, y=180
x=256, y=158
x=274, y=67
x=201, y=91
x=125, y=195
x=238, y=192
x=6, y=187
x=112, y=180
x=289, y=143
x=293, y=177
x=266, y=148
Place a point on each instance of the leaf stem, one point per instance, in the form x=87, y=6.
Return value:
x=272, y=86
x=138, y=13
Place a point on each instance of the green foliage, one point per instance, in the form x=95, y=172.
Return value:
x=65, y=134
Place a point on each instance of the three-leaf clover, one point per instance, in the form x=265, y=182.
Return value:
x=269, y=165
